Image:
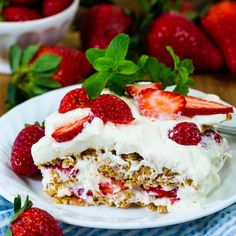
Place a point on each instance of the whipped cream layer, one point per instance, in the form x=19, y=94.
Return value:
x=145, y=136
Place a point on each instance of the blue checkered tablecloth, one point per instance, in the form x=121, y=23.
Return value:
x=222, y=223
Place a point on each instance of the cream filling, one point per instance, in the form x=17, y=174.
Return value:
x=145, y=136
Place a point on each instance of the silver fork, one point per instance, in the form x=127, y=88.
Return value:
x=224, y=129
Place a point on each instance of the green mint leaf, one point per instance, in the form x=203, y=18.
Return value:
x=46, y=62
x=183, y=82
x=182, y=69
x=173, y=55
x=92, y=54
x=115, y=85
x=160, y=73
x=118, y=82
x=183, y=89
x=127, y=67
x=118, y=47
x=188, y=64
x=96, y=83
x=15, y=56
x=29, y=53
x=103, y=64
x=142, y=61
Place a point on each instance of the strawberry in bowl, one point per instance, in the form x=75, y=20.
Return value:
x=25, y=25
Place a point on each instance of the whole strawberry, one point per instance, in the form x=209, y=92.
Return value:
x=30, y=221
x=102, y=23
x=21, y=158
x=220, y=23
x=14, y=13
x=185, y=38
x=36, y=70
x=74, y=66
x=52, y=7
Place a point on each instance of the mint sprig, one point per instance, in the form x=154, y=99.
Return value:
x=115, y=71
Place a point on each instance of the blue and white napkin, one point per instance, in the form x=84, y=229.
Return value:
x=222, y=223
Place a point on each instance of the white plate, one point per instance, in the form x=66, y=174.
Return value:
x=37, y=109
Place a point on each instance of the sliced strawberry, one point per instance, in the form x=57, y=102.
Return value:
x=197, y=106
x=69, y=131
x=76, y=98
x=105, y=188
x=112, y=187
x=135, y=89
x=159, y=192
x=157, y=103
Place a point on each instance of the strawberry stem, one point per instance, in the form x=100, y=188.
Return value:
x=18, y=210
x=17, y=207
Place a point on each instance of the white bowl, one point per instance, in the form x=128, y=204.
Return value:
x=44, y=31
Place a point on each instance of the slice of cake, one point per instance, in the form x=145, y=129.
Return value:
x=151, y=148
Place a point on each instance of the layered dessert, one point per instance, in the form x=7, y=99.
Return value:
x=149, y=148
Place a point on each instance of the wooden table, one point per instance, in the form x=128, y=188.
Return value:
x=220, y=84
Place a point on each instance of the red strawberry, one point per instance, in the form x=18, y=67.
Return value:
x=110, y=108
x=112, y=187
x=21, y=158
x=197, y=106
x=220, y=23
x=158, y=103
x=24, y=2
x=32, y=221
x=74, y=66
x=185, y=133
x=19, y=14
x=185, y=38
x=105, y=188
x=45, y=68
x=71, y=130
x=101, y=24
x=135, y=89
x=214, y=135
x=159, y=192
x=76, y=98
x=52, y=7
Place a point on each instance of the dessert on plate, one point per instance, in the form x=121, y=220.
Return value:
x=148, y=148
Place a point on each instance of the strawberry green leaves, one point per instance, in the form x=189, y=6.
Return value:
x=30, y=77
x=18, y=209
x=115, y=71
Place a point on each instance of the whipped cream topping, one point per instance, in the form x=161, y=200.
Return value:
x=148, y=137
